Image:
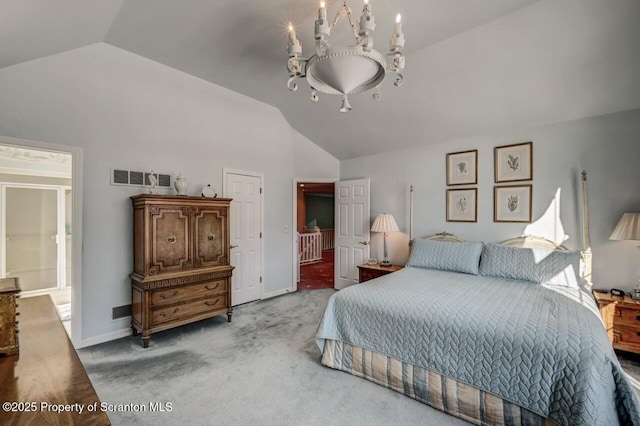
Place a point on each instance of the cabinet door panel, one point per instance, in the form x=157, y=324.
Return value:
x=169, y=240
x=212, y=237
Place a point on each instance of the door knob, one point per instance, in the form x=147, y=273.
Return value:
x=232, y=246
x=364, y=243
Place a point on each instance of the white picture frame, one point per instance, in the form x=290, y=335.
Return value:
x=462, y=168
x=513, y=203
x=462, y=205
x=513, y=163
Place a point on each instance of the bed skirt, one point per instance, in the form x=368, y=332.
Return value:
x=440, y=392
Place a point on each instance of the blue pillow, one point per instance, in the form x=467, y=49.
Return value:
x=552, y=267
x=446, y=256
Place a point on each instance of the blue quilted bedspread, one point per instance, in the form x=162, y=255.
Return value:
x=539, y=346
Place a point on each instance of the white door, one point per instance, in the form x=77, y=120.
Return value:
x=245, y=235
x=351, y=230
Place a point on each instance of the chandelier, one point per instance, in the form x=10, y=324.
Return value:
x=346, y=70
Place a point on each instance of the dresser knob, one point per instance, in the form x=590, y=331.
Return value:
x=17, y=331
x=638, y=317
x=17, y=313
x=17, y=306
x=17, y=322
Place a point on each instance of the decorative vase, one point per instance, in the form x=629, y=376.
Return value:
x=181, y=184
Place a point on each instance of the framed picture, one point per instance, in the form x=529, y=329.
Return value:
x=513, y=162
x=462, y=168
x=462, y=205
x=512, y=203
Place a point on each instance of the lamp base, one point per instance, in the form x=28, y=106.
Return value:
x=385, y=263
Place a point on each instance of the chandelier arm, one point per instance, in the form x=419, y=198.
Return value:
x=291, y=84
x=354, y=29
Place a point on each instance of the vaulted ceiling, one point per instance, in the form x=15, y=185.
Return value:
x=473, y=67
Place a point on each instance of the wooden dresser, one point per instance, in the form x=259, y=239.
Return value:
x=46, y=375
x=9, y=289
x=181, y=271
x=621, y=315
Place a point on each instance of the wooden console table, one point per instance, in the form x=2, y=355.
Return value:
x=46, y=371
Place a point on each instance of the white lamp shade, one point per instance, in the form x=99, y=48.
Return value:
x=384, y=222
x=628, y=227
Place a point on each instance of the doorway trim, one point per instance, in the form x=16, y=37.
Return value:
x=294, y=223
x=76, y=238
x=225, y=173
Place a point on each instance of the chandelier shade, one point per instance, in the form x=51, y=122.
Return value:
x=346, y=70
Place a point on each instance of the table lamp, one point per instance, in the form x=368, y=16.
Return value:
x=628, y=228
x=384, y=222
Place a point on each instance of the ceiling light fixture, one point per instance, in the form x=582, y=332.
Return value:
x=346, y=70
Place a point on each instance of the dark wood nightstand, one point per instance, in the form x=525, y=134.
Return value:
x=368, y=272
x=621, y=315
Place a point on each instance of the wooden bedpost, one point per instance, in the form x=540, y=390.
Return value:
x=411, y=215
x=586, y=243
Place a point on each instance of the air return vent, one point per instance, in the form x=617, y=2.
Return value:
x=133, y=178
x=121, y=312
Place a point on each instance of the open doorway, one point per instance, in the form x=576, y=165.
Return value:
x=315, y=234
x=36, y=223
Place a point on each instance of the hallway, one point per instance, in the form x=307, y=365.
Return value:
x=317, y=275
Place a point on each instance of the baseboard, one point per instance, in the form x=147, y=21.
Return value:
x=278, y=293
x=96, y=340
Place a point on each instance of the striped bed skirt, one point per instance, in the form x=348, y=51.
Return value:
x=440, y=392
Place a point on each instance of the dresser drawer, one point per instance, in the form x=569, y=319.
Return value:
x=626, y=338
x=626, y=316
x=169, y=296
x=189, y=309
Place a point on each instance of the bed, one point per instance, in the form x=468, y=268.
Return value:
x=490, y=333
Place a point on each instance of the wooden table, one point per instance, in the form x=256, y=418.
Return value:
x=46, y=371
x=368, y=272
x=621, y=315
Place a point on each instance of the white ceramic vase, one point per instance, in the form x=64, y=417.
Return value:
x=181, y=184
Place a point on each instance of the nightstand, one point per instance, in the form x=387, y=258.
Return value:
x=368, y=272
x=621, y=315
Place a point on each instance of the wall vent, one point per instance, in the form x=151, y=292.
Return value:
x=133, y=178
x=121, y=312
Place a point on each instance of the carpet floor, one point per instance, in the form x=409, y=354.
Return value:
x=261, y=369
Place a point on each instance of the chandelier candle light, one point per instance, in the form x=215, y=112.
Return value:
x=346, y=70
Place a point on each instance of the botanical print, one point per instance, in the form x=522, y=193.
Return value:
x=512, y=203
x=513, y=162
x=461, y=205
x=462, y=168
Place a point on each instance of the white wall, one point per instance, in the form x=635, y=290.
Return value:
x=606, y=146
x=311, y=161
x=128, y=112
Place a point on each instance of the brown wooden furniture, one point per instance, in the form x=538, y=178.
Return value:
x=621, y=315
x=46, y=371
x=9, y=289
x=181, y=271
x=368, y=272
